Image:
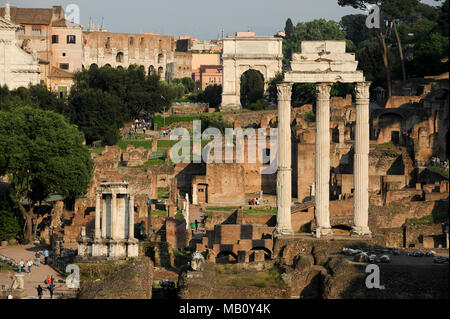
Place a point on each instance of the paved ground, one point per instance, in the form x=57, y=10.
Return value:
x=37, y=275
x=195, y=214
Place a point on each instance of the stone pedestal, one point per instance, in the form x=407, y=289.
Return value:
x=361, y=162
x=284, y=175
x=322, y=159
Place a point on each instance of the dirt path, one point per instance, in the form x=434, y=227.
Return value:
x=37, y=275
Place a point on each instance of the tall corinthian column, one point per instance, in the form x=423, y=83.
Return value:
x=98, y=209
x=131, y=217
x=361, y=162
x=113, y=220
x=284, y=175
x=322, y=161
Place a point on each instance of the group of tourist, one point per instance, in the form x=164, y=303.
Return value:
x=255, y=202
x=50, y=283
x=438, y=162
x=140, y=125
x=28, y=265
x=165, y=132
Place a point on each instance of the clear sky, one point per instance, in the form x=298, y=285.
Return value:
x=198, y=18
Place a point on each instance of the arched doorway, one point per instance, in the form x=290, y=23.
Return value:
x=151, y=69
x=119, y=57
x=252, y=87
x=267, y=252
x=160, y=71
x=226, y=257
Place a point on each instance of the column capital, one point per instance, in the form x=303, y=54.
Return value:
x=362, y=90
x=323, y=90
x=284, y=91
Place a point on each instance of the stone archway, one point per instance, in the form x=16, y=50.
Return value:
x=241, y=54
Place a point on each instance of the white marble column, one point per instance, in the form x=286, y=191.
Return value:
x=284, y=175
x=114, y=216
x=322, y=159
x=103, y=201
x=131, y=217
x=98, y=211
x=361, y=162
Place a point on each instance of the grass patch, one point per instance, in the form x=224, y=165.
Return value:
x=426, y=220
x=97, y=150
x=438, y=170
x=101, y=271
x=158, y=212
x=123, y=144
x=271, y=278
x=163, y=193
x=260, y=212
x=5, y=267
x=221, y=209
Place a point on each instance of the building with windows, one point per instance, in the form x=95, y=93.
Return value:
x=209, y=75
x=56, y=42
x=153, y=51
x=17, y=67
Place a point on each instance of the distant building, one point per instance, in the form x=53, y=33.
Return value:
x=56, y=41
x=153, y=51
x=209, y=75
x=17, y=67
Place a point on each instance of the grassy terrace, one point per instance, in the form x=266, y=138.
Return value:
x=236, y=277
x=247, y=212
x=438, y=170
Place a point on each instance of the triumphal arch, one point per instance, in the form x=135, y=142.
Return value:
x=323, y=63
x=240, y=54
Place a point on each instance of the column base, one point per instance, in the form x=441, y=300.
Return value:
x=283, y=232
x=323, y=232
x=360, y=231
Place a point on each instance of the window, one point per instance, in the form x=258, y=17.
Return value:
x=71, y=39
x=36, y=30
x=131, y=40
x=107, y=42
x=64, y=66
x=55, y=38
x=64, y=54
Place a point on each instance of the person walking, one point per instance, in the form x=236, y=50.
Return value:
x=196, y=225
x=21, y=265
x=46, y=256
x=38, y=259
x=29, y=264
x=51, y=288
x=48, y=280
x=39, y=291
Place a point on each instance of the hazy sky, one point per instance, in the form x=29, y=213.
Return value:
x=198, y=18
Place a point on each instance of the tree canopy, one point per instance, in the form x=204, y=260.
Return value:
x=43, y=154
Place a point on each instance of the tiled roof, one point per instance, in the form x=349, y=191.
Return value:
x=60, y=73
x=29, y=15
x=65, y=23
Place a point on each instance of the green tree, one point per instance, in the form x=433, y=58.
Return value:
x=431, y=55
x=443, y=19
x=211, y=95
x=355, y=28
x=252, y=87
x=189, y=84
x=273, y=91
x=98, y=114
x=9, y=223
x=289, y=28
x=42, y=154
